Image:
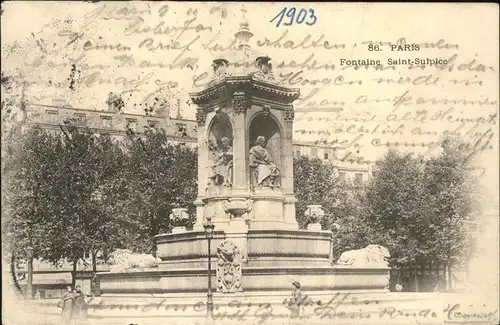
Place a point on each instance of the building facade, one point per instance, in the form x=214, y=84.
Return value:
x=112, y=121
x=348, y=172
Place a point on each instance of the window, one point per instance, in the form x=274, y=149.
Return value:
x=297, y=153
x=52, y=116
x=153, y=124
x=314, y=152
x=328, y=153
x=131, y=124
x=181, y=130
x=79, y=118
x=342, y=177
x=105, y=121
x=358, y=178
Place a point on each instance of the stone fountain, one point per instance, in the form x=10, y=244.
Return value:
x=245, y=187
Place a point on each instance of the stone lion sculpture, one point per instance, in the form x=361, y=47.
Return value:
x=372, y=256
x=124, y=259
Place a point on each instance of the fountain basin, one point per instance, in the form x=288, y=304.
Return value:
x=276, y=258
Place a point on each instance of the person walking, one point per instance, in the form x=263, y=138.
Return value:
x=80, y=304
x=296, y=299
x=67, y=304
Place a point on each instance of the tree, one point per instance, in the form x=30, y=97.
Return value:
x=26, y=199
x=351, y=228
x=74, y=192
x=161, y=176
x=75, y=221
x=454, y=201
x=315, y=182
x=110, y=224
x=423, y=210
x=60, y=195
x=395, y=207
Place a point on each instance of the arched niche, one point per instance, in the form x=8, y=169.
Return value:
x=265, y=125
x=220, y=128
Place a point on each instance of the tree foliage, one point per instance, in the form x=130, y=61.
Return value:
x=423, y=210
x=75, y=191
x=160, y=175
x=395, y=206
x=454, y=199
x=57, y=200
x=315, y=183
x=25, y=196
x=351, y=229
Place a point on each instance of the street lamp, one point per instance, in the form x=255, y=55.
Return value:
x=209, y=233
x=29, y=285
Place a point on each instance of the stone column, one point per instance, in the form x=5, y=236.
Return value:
x=202, y=166
x=241, y=103
x=287, y=178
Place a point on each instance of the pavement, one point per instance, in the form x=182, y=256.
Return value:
x=340, y=308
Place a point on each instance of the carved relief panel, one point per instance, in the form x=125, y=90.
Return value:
x=228, y=272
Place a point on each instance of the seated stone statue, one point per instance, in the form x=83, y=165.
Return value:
x=262, y=168
x=223, y=167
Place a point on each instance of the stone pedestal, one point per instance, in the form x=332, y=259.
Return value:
x=274, y=259
x=237, y=232
x=314, y=227
x=200, y=209
x=177, y=230
x=237, y=228
x=289, y=210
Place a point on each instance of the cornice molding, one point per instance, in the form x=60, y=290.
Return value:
x=231, y=84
